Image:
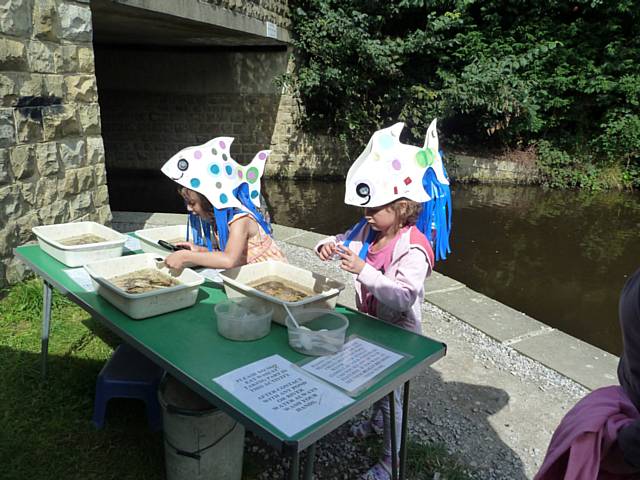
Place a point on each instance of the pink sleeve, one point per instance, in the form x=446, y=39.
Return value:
x=398, y=293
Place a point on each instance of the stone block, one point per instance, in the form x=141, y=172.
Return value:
x=81, y=89
x=85, y=178
x=8, y=89
x=15, y=18
x=42, y=56
x=30, y=85
x=95, y=151
x=60, y=121
x=29, y=124
x=46, y=191
x=101, y=196
x=89, y=115
x=10, y=199
x=75, y=22
x=72, y=153
x=8, y=238
x=13, y=55
x=68, y=59
x=46, y=23
x=103, y=215
x=101, y=174
x=56, y=212
x=80, y=204
x=53, y=86
x=47, y=159
x=16, y=270
x=7, y=128
x=29, y=194
x=68, y=185
x=86, y=61
x=23, y=161
x=5, y=167
x=25, y=223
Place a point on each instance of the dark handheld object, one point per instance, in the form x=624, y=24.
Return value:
x=171, y=246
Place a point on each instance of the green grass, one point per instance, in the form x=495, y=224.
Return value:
x=45, y=425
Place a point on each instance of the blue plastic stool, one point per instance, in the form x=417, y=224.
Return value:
x=128, y=374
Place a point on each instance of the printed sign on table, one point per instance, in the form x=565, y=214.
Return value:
x=354, y=366
x=284, y=395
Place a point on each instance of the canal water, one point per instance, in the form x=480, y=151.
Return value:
x=561, y=257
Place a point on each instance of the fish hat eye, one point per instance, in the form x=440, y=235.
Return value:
x=183, y=164
x=363, y=190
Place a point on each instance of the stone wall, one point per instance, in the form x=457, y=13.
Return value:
x=52, y=166
x=275, y=11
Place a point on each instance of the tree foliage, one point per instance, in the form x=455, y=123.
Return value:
x=559, y=75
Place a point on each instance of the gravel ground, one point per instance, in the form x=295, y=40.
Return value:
x=493, y=408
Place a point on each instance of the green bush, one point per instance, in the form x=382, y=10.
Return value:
x=498, y=74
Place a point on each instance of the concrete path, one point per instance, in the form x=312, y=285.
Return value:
x=505, y=383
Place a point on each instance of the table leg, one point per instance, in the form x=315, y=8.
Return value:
x=294, y=468
x=394, y=457
x=46, y=325
x=308, y=467
x=403, y=435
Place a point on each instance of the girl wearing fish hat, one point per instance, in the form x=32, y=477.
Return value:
x=223, y=199
x=404, y=191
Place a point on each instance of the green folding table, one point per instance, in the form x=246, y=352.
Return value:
x=186, y=344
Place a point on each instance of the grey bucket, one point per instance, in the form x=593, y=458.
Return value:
x=200, y=441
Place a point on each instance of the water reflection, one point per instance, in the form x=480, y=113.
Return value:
x=560, y=257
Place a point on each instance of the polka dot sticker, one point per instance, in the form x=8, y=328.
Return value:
x=197, y=154
x=252, y=175
x=262, y=156
x=214, y=151
x=228, y=170
x=254, y=194
x=421, y=158
x=386, y=141
x=396, y=164
x=224, y=157
x=195, y=183
x=218, y=185
x=223, y=198
x=214, y=168
x=222, y=144
x=240, y=174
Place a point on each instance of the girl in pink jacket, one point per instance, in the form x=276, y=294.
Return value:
x=387, y=251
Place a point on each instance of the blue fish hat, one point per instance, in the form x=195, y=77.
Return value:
x=388, y=170
x=230, y=187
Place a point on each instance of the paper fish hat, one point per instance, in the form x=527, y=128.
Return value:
x=388, y=170
x=209, y=169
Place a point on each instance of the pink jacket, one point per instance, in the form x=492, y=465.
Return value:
x=399, y=290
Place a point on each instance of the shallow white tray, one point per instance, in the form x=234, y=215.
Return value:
x=236, y=284
x=149, y=237
x=148, y=304
x=49, y=237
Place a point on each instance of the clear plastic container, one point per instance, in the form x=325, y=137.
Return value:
x=322, y=331
x=243, y=318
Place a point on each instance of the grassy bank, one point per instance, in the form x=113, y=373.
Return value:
x=45, y=426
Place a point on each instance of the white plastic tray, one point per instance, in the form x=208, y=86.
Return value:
x=49, y=237
x=149, y=237
x=236, y=284
x=148, y=304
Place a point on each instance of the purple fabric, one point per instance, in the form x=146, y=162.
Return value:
x=584, y=447
x=629, y=366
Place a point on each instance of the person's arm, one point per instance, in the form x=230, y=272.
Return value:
x=235, y=253
x=398, y=293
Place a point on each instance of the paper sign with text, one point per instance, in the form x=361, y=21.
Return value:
x=355, y=365
x=282, y=394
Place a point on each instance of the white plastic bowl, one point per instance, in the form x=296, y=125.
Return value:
x=322, y=331
x=149, y=237
x=50, y=236
x=147, y=304
x=243, y=319
x=238, y=281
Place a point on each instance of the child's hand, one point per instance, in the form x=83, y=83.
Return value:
x=326, y=251
x=349, y=260
x=177, y=260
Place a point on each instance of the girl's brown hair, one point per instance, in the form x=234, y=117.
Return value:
x=407, y=211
